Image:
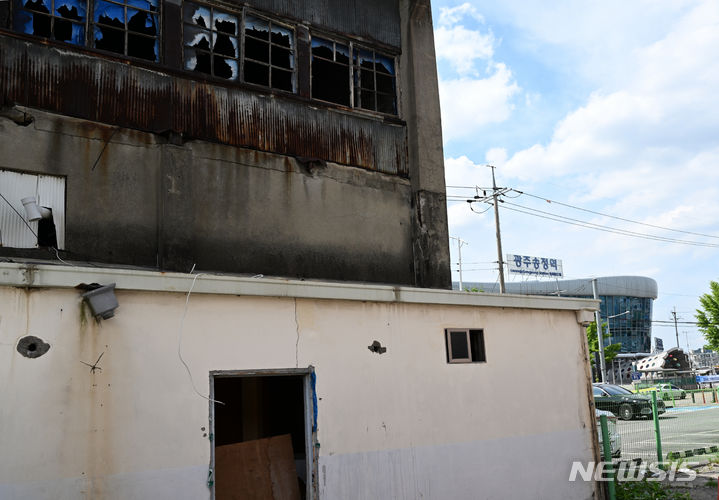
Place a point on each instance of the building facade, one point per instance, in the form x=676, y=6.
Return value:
x=229, y=137
x=626, y=304
x=259, y=186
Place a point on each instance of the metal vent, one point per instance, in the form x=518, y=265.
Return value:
x=49, y=190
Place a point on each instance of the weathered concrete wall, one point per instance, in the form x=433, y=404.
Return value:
x=150, y=203
x=154, y=200
x=404, y=424
x=420, y=103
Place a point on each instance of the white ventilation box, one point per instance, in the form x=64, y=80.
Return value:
x=49, y=190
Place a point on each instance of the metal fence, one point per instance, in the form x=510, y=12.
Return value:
x=685, y=428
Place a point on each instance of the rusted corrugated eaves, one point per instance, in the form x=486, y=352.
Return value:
x=120, y=94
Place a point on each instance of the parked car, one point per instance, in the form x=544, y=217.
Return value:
x=666, y=391
x=615, y=440
x=623, y=403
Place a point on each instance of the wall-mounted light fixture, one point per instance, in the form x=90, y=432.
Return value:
x=102, y=301
x=33, y=211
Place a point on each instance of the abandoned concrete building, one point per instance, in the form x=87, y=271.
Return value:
x=224, y=267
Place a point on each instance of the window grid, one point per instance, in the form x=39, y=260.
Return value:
x=372, y=76
x=279, y=74
x=129, y=27
x=210, y=40
x=61, y=20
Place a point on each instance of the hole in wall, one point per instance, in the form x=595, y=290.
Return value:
x=32, y=347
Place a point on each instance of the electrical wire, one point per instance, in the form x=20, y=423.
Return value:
x=590, y=225
x=615, y=217
x=179, y=342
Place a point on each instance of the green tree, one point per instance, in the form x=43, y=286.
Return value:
x=708, y=316
x=610, y=351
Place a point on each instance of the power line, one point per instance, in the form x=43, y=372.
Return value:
x=458, y=197
x=598, y=227
x=618, y=218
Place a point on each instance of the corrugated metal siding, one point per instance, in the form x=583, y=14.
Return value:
x=374, y=19
x=120, y=94
x=49, y=191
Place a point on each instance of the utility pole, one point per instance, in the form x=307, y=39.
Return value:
x=674, y=313
x=499, y=234
x=459, y=252
x=600, y=339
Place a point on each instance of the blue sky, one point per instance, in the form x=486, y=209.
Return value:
x=609, y=106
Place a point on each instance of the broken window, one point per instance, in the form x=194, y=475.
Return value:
x=62, y=20
x=127, y=27
x=465, y=346
x=330, y=71
x=374, y=81
x=210, y=41
x=269, y=54
x=368, y=81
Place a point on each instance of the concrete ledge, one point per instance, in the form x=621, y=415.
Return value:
x=51, y=276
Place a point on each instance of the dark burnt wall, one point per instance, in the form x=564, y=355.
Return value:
x=376, y=20
x=167, y=169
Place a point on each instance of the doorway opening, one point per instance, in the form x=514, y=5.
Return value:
x=263, y=435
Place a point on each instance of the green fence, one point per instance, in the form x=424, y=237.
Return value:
x=680, y=429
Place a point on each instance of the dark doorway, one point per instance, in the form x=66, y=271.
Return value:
x=260, y=437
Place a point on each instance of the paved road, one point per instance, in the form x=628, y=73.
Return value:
x=682, y=428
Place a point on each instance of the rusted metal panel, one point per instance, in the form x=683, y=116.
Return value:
x=372, y=19
x=117, y=93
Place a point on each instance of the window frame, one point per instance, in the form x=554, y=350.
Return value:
x=354, y=47
x=480, y=352
x=293, y=51
x=239, y=14
x=91, y=25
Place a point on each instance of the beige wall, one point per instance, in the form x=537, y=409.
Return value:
x=404, y=424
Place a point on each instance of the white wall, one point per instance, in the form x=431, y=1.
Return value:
x=401, y=425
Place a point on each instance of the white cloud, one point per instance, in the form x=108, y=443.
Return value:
x=469, y=104
x=463, y=48
x=449, y=16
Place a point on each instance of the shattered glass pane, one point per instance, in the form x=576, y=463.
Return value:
x=196, y=37
x=196, y=60
x=385, y=65
x=141, y=22
x=322, y=48
x=71, y=9
x=22, y=21
x=224, y=44
x=226, y=68
x=38, y=6
x=281, y=36
x=109, y=14
x=256, y=27
x=342, y=54
x=150, y=5
x=200, y=16
x=225, y=23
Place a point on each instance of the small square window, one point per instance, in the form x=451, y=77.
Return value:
x=465, y=345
